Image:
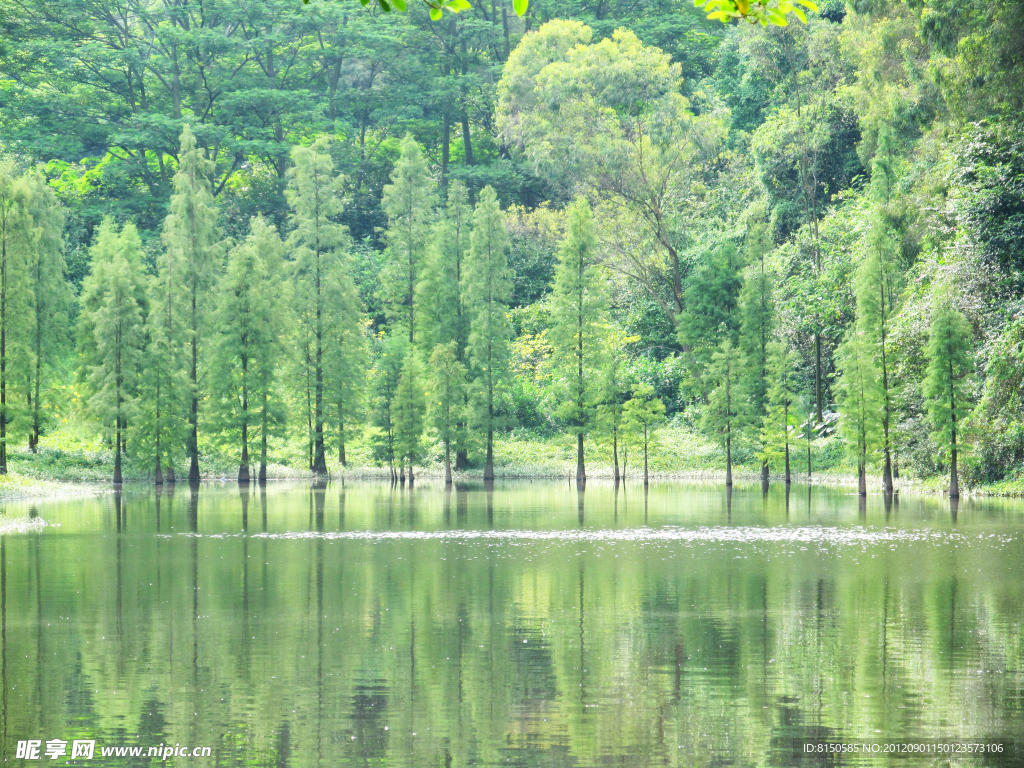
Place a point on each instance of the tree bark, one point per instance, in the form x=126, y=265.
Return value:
x=489, y=461
x=581, y=473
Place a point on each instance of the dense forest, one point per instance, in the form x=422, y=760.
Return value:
x=241, y=225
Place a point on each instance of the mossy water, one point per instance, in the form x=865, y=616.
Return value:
x=366, y=624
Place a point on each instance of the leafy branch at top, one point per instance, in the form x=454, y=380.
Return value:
x=763, y=12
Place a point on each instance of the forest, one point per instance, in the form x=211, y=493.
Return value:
x=267, y=233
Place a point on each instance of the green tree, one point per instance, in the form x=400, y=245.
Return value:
x=947, y=382
x=247, y=344
x=723, y=414
x=859, y=399
x=115, y=317
x=777, y=423
x=49, y=293
x=192, y=239
x=642, y=415
x=409, y=410
x=579, y=309
x=710, y=307
x=384, y=385
x=875, y=288
x=446, y=408
x=409, y=203
x=318, y=242
x=444, y=311
x=346, y=355
x=757, y=314
x=15, y=239
x=487, y=284
x=611, y=410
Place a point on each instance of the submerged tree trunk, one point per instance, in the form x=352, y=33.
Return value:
x=581, y=473
x=158, y=474
x=764, y=475
x=489, y=460
x=862, y=477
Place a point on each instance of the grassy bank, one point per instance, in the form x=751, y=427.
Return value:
x=71, y=460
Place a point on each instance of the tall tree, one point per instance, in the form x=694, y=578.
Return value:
x=446, y=407
x=579, y=308
x=15, y=237
x=409, y=203
x=247, y=344
x=49, y=292
x=115, y=317
x=946, y=384
x=384, y=384
x=487, y=285
x=318, y=244
x=757, y=312
x=610, y=411
x=859, y=399
x=779, y=419
x=346, y=355
x=644, y=413
x=723, y=414
x=876, y=303
x=410, y=414
x=191, y=238
x=444, y=311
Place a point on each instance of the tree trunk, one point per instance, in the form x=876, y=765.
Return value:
x=117, y=453
x=764, y=476
x=447, y=463
x=489, y=460
x=263, y=442
x=615, y=453
x=193, y=417
x=581, y=473
x=243, y=467
x=817, y=376
x=862, y=477
x=728, y=459
x=158, y=474
x=954, y=480
x=341, y=437
x=645, y=456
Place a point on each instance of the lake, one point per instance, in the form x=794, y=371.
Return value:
x=365, y=625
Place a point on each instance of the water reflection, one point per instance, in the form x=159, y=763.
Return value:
x=523, y=624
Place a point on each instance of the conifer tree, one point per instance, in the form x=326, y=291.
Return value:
x=710, y=306
x=487, y=285
x=447, y=387
x=408, y=201
x=318, y=244
x=946, y=384
x=48, y=292
x=190, y=270
x=115, y=317
x=384, y=384
x=722, y=416
x=579, y=307
x=346, y=354
x=15, y=237
x=410, y=413
x=859, y=399
x=757, y=311
x=247, y=344
x=643, y=414
x=444, y=312
x=610, y=412
x=777, y=422
x=876, y=303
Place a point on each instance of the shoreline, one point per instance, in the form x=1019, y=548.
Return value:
x=16, y=487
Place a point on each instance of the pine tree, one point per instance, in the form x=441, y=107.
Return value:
x=443, y=309
x=247, y=342
x=49, y=293
x=408, y=201
x=643, y=414
x=778, y=420
x=487, y=285
x=318, y=245
x=447, y=387
x=579, y=308
x=946, y=384
x=610, y=412
x=876, y=304
x=859, y=399
x=190, y=270
x=410, y=409
x=15, y=239
x=757, y=310
x=384, y=384
x=710, y=307
x=115, y=317
x=722, y=416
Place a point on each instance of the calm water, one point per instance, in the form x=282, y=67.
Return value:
x=370, y=626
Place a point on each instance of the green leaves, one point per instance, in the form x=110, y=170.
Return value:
x=520, y=6
x=761, y=12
